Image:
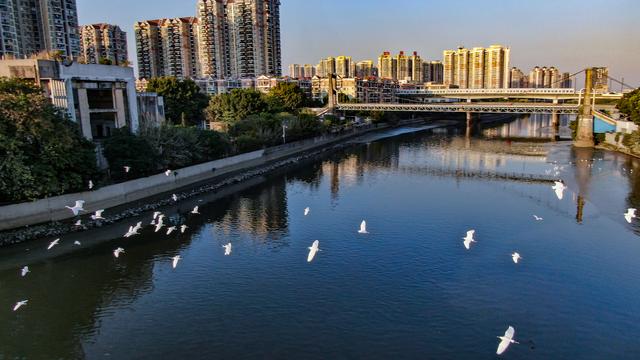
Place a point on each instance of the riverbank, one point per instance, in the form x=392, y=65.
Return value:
x=24, y=222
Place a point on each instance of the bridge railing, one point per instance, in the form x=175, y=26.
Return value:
x=511, y=91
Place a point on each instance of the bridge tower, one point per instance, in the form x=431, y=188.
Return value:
x=584, y=134
x=332, y=101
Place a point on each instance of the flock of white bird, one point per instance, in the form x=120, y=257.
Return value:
x=158, y=222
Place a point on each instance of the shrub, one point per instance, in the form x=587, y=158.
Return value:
x=126, y=149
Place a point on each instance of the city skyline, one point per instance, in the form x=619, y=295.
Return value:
x=551, y=38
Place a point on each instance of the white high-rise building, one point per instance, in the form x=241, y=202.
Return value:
x=477, y=68
x=103, y=42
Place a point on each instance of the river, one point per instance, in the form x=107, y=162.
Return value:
x=407, y=290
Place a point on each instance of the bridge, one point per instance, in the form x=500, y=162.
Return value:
x=467, y=107
x=554, y=94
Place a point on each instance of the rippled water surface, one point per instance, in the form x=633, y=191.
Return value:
x=407, y=290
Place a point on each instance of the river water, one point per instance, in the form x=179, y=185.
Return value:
x=406, y=290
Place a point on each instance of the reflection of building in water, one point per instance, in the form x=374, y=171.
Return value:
x=527, y=126
x=262, y=213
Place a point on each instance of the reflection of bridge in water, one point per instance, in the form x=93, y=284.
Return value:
x=478, y=174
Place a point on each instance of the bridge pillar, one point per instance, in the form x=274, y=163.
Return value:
x=584, y=135
x=555, y=124
x=333, y=101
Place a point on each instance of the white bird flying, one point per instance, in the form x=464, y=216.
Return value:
x=313, y=249
x=363, y=227
x=469, y=239
x=117, y=252
x=77, y=243
x=538, y=218
x=506, y=340
x=174, y=197
x=307, y=211
x=183, y=228
x=133, y=230
x=159, y=225
x=98, y=215
x=78, y=223
x=24, y=271
x=20, y=304
x=79, y=206
x=127, y=168
x=170, y=230
x=53, y=243
x=90, y=184
x=175, y=260
x=168, y=172
x=630, y=214
x=195, y=210
x=156, y=214
x=516, y=257
x=559, y=188
x=227, y=249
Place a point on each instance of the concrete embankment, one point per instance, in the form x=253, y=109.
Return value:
x=49, y=217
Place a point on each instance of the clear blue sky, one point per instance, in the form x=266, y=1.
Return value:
x=568, y=34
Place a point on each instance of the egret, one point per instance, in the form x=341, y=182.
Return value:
x=175, y=260
x=79, y=206
x=24, y=271
x=227, y=249
x=159, y=225
x=77, y=243
x=156, y=214
x=133, y=230
x=506, y=340
x=78, y=223
x=167, y=173
x=469, y=239
x=183, y=228
x=127, y=169
x=516, y=257
x=538, y=218
x=313, y=249
x=90, y=184
x=307, y=211
x=174, y=197
x=20, y=304
x=98, y=215
x=117, y=252
x=170, y=230
x=53, y=243
x=363, y=227
x=195, y=210
x=630, y=214
x=559, y=188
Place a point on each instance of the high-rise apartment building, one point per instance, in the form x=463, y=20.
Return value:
x=477, y=68
x=404, y=67
x=168, y=47
x=296, y=71
x=228, y=39
x=365, y=69
x=601, y=79
x=344, y=67
x=100, y=42
x=415, y=63
x=309, y=71
x=566, y=81
x=28, y=27
x=545, y=77
x=387, y=66
x=518, y=79
x=432, y=72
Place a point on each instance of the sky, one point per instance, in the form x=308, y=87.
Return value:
x=567, y=34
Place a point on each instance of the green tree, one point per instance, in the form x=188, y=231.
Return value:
x=182, y=99
x=123, y=148
x=235, y=106
x=42, y=152
x=629, y=105
x=286, y=97
x=105, y=61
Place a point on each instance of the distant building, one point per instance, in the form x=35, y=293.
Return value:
x=326, y=67
x=344, y=67
x=296, y=71
x=309, y=71
x=103, y=42
x=387, y=66
x=28, y=27
x=432, y=72
x=365, y=69
x=376, y=90
x=415, y=63
x=99, y=98
x=566, y=81
x=518, y=79
x=545, y=77
x=478, y=68
x=601, y=79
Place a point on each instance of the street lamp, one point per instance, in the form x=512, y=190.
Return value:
x=284, y=131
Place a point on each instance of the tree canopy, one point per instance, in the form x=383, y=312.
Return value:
x=235, y=106
x=42, y=152
x=183, y=100
x=286, y=96
x=629, y=105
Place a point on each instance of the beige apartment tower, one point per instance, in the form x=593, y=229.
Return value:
x=478, y=68
x=103, y=43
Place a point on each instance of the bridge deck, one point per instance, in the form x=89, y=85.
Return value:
x=517, y=108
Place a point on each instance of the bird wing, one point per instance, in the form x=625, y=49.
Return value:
x=504, y=344
x=79, y=203
x=510, y=332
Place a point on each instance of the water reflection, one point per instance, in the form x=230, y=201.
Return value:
x=540, y=126
x=258, y=303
